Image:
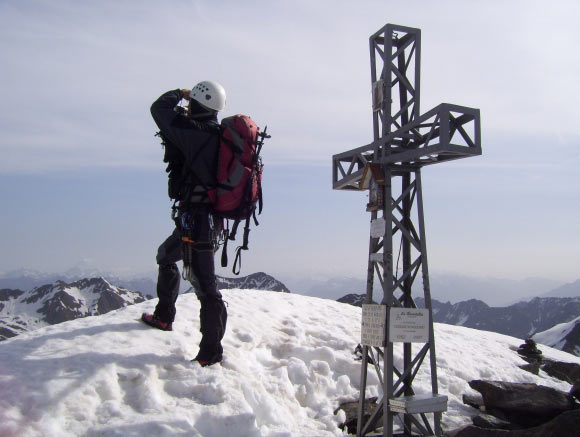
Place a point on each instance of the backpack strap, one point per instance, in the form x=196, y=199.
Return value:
x=238, y=259
x=260, y=199
x=258, y=175
x=246, y=234
x=224, y=260
x=234, y=230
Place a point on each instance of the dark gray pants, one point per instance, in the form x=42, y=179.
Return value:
x=213, y=314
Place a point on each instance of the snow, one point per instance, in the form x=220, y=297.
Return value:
x=81, y=297
x=288, y=366
x=555, y=336
x=25, y=315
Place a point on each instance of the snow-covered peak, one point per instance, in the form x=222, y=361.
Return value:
x=254, y=281
x=564, y=336
x=59, y=302
x=288, y=365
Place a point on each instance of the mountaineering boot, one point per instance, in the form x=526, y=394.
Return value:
x=204, y=363
x=155, y=322
x=213, y=317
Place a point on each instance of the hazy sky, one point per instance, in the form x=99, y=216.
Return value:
x=82, y=178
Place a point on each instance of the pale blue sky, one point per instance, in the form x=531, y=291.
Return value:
x=81, y=173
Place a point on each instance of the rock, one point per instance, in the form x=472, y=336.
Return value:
x=484, y=420
x=488, y=418
x=351, y=410
x=6, y=294
x=530, y=350
x=575, y=391
x=567, y=372
x=7, y=332
x=566, y=424
x=473, y=401
x=533, y=367
x=523, y=403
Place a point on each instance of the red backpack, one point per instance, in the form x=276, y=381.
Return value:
x=238, y=192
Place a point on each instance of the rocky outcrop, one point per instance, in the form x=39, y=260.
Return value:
x=566, y=424
x=523, y=404
x=351, y=412
x=60, y=307
x=7, y=294
x=109, y=301
x=567, y=372
x=511, y=409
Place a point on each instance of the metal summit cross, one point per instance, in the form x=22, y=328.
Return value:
x=404, y=142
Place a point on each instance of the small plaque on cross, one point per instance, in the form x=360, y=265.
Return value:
x=408, y=325
x=378, y=95
x=378, y=227
x=374, y=319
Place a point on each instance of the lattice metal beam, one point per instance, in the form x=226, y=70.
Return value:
x=404, y=142
x=444, y=133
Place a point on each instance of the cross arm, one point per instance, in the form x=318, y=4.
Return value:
x=348, y=167
x=445, y=132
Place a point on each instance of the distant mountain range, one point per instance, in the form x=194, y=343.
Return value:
x=447, y=287
x=29, y=301
x=60, y=301
x=147, y=286
x=520, y=320
x=567, y=290
x=493, y=291
x=452, y=287
x=254, y=281
x=28, y=279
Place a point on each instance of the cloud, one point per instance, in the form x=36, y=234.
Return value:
x=79, y=77
x=83, y=74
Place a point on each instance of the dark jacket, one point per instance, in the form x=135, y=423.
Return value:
x=196, y=140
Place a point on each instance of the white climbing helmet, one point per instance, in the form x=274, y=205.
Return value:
x=210, y=94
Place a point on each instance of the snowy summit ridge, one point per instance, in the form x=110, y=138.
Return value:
x=288, y=365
